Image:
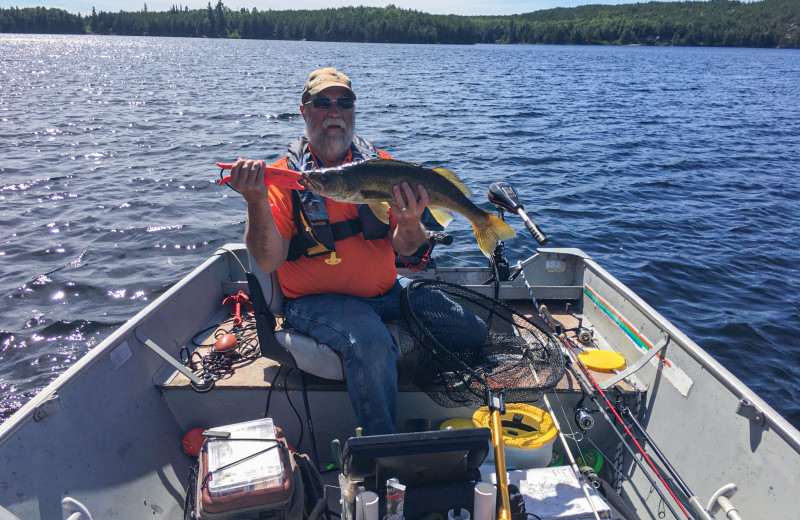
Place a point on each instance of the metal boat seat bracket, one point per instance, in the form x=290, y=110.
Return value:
x=636, y=366
x=169, y=359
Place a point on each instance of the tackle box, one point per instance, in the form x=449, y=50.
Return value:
x=244, y=470
x=438, y=468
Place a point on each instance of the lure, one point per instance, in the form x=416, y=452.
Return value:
x=272, y=176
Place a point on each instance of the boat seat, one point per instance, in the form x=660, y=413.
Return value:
x=287, y=346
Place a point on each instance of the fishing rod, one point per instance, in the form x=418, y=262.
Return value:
x=553, y=324
x=593, y=396
x=693, y=500
x=567, y=449
x=505, y=197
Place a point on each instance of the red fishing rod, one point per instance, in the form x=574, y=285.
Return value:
x=592, y=395
x=693, y=500
x=505, y=198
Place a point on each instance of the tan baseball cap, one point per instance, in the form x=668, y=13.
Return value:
x=321, y=79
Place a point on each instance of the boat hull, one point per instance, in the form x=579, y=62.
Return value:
x=107, y=432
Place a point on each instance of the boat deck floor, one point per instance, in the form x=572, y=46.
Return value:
x=256, y=372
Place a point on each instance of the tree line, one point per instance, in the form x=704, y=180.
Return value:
x=728, y=23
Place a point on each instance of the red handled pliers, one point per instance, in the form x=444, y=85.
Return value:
x=274, y=176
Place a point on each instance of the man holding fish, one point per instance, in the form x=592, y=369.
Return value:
x=334, y=245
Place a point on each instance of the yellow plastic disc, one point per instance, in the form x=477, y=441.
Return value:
x=459, y=423
x=602, y=360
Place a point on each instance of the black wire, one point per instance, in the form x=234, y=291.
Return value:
x=204, y=331
x=271, y=388
x=228, y=184
x=289, y=400
x=219, y=365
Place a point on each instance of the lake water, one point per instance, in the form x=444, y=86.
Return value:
x=675, y=168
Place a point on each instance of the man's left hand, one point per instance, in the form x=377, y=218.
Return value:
x=407, y=208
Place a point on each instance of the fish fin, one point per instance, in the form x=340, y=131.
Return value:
x=490, y=231
x=442, y=216
x=452, y=177
x=380, y=210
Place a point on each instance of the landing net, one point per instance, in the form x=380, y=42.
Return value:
x=465, y=343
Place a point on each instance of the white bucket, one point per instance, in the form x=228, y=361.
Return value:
x=528, y=435
x=528, y=458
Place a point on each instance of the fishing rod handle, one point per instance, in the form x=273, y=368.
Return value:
x=439, y=237
x=554, y=324
x=581, y=381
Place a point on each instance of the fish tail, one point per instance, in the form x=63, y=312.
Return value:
x=489, y=231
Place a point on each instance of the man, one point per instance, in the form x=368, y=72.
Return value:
x=340, y=280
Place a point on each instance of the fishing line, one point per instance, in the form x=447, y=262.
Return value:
x=693, y=500
x=582, y=480
x=578, y=437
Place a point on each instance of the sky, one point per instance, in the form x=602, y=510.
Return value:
x=460, y=7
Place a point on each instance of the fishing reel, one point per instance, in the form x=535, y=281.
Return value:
x=585, y=336
x=584, y=419
x=584, y=416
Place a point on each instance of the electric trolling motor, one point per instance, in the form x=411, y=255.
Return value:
x=505, y=198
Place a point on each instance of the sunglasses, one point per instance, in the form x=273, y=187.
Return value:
x=323, y=103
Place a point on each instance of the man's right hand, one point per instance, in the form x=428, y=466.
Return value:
x=247, y=177
x=261, y=236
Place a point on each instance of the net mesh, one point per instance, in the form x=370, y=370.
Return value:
x=461, y=344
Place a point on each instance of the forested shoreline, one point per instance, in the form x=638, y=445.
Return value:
x=719, y=23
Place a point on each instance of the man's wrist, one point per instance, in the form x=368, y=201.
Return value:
x=412, y=237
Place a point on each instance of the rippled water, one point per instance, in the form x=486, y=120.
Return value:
x=675, y=168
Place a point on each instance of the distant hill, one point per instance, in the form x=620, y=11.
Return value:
x=721, y=23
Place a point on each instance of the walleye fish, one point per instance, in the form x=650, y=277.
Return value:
x=370, y=182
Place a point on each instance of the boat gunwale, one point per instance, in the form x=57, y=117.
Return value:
x=25, y=413
x=772, y=418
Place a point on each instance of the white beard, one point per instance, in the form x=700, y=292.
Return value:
x=331, y=144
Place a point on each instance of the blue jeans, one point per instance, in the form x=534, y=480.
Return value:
x=354, y=328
